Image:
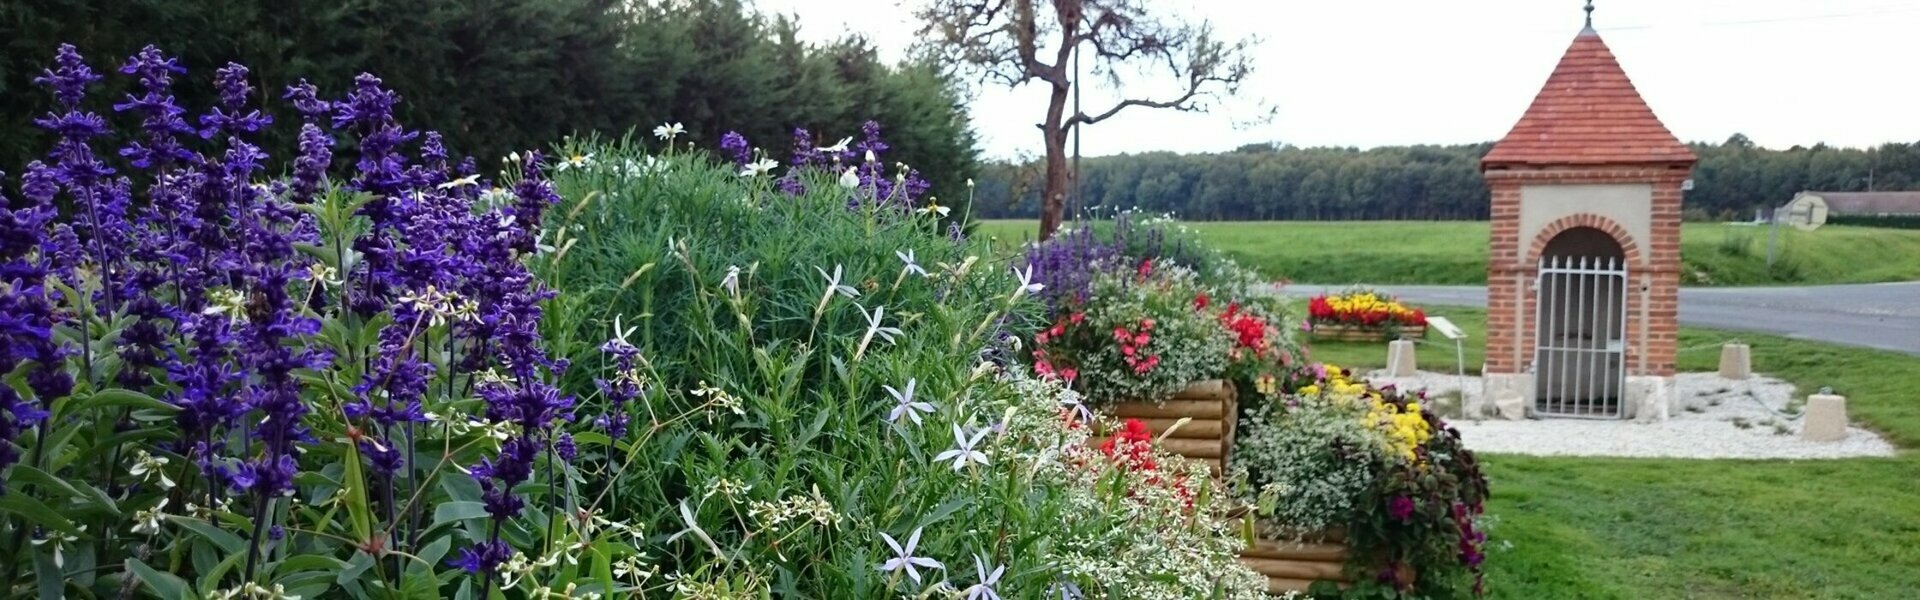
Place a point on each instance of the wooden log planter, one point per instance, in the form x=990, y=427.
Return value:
x=1295, y=565
x=1356, y=333
x=1208, y=438
x=1213, y=405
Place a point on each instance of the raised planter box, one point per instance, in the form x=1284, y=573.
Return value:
x=1208, y=438
x=1355, y=333
x=1294, y=566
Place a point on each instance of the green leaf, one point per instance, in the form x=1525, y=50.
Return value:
x=211, y=579
x=226, y=540
x=355, y=483
x=592, y=438
x=457, y=511
x=603, y=567
x=360, y=562
x=52, y=582
x=430, y=556
x=165, y=585
x=945, y=510
x=38, y=513
x=48, y=483
x=297, y=564
x=120, y=397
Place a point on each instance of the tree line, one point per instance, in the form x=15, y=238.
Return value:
x=504, y=75
x=1282, y=182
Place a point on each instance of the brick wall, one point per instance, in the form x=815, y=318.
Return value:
x=1653, y=265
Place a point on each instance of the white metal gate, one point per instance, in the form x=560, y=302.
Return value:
x=1579, y=355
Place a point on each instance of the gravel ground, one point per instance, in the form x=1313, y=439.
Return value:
x=1717, y=418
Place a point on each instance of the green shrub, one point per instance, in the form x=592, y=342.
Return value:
x=812, y=390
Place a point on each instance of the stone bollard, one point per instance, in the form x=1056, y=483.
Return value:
x=1826, y=418
x=1736, y=361
x=1400, y=358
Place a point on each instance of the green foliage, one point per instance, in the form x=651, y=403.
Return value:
x=1265, y=182
x=514, y=74
x=1456, y=252
x=784, y=433
x=1306, y=468
x=1889, y=222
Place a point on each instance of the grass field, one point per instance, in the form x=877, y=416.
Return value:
x=1672, y=528
x=1455, y=252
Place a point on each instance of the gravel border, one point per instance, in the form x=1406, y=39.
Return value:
x=1714, y=418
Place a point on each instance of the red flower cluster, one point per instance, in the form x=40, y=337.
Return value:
x=1249, y=331
x=1134, y=443
x=1132, y=346
x=1041, y=364
x=1132, y=449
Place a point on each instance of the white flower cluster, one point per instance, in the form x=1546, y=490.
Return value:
x=812, y=508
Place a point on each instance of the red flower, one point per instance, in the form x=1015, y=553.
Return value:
x=1076, y=318
x=1200, y=301
x=1146, y=324
x=1146, y=268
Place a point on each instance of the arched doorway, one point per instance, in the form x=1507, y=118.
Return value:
x=1580, y=332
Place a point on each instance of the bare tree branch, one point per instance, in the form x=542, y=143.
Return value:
x=1015, y=42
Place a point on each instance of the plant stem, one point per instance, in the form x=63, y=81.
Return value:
x=259, y=525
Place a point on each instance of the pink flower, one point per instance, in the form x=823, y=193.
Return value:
x=1400, y=508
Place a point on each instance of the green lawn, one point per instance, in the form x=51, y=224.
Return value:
x=1455, y=252
x=1669, y=528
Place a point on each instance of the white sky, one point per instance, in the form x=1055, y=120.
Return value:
x=1390, y=72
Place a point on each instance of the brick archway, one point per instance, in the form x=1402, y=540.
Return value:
x=1588, y=220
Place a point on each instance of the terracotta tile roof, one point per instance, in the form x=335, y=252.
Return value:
x=1588, y=113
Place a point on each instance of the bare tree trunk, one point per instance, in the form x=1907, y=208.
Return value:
x=1053, y=193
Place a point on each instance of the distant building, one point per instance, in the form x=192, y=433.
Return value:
x=1809, y=210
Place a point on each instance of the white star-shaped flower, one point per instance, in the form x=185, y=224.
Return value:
x=905, y=404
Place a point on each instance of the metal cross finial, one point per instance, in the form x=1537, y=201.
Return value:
x=1589, y=10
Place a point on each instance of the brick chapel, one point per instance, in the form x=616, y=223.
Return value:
x=1584, y=269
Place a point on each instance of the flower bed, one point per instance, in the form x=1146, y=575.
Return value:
x=623, y=373
x=1338, y=455
x=1359, y=315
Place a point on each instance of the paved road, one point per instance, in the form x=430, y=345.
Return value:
x=1880, y=315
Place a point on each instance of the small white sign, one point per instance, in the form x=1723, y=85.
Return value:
x=1446, y=328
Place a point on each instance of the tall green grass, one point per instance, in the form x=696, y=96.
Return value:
x=1455, y=252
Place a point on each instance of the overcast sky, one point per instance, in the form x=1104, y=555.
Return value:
x=1389, y=72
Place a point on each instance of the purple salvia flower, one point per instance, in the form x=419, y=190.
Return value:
x=161, y=120
x=69, y=77
x=27, y=320
x=232, y=117
x=310, y=169
x=306, y=100
x=804, y=153
x=735, y=146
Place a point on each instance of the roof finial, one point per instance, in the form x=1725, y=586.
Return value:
x=1589, y=10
